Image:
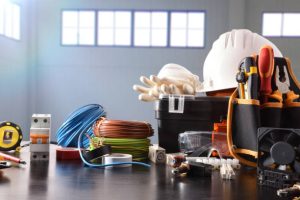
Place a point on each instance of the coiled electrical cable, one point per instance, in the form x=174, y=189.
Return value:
x=122, y=129
x=105, y=165
x=138, y=148
x=80, y=121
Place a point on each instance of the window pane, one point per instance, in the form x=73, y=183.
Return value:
x=195, y=38
x=272, y=24
x=178, y=38
x=8, y=20
x=122, y=19
x=106, y=37
x=291, y=24
x=105, y=19
x=1, y=17
x=69, y=36
x=178, y=20
x=196, y=20
x=159, y=20
x=16, y=22
x=142, y=19
x=70, y=19
x=159, y=37
x=122, y=36
x=142, y=37
x=86, y=36
x=86, y=19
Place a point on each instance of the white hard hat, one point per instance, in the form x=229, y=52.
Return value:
x=221, y=64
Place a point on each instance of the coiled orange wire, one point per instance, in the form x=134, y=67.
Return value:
x=122, y=129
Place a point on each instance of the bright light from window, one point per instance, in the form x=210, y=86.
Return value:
x=114, y=28
x=78, y=28
x=10, y=19
x=272, y=24
x=150, y=28
x=1, y=17
x=281, y=24
x=187, y=29
x=291, y=24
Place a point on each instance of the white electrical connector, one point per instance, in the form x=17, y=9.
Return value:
x=227, y=172
x=216, y=162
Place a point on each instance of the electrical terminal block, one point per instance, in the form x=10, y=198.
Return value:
x=157, y=154
x=216, y=162
x=227, y=172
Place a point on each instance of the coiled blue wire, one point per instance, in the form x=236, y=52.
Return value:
x=77, y=124
x=80, y=121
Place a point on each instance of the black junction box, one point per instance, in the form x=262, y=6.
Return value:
x=176, y=115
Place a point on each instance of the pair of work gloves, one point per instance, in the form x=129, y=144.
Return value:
x=171, y=79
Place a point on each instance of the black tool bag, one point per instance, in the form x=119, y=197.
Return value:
x=245, y=116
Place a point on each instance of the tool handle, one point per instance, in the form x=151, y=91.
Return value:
x=266, y=68
x=11, y=158
x=252, y=84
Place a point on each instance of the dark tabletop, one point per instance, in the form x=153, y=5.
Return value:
x=71, y=180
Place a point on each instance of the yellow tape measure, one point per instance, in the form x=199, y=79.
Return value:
x=10, y=136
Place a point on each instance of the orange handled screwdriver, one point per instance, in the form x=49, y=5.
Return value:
x=266, y=68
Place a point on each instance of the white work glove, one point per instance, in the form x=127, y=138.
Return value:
x=171, y=79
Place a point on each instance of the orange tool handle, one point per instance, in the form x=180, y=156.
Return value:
x=266, y=68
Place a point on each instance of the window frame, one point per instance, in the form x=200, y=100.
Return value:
x=131, y=27
x=20, y=23
x=61, y=28
x=204, y=28
x=281, y=25
x=132, y=11
x=150, y=28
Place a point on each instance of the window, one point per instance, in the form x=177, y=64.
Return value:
x=10, y=20
x=114, y=28
x=78, y=28
x=150, y=28
x=133, y=28
x=187, y=29
x=281, y=24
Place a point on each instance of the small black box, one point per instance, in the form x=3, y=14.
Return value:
x=177, y=114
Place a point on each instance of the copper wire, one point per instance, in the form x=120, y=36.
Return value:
x=122, y=129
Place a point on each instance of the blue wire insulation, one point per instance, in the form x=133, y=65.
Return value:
x=105, y=165
x=80, y=121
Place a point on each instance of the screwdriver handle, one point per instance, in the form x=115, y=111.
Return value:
x=266, y=68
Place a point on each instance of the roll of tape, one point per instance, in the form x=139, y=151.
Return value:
x=118, y=157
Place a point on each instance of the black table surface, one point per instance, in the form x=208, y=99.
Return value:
x=72, y=180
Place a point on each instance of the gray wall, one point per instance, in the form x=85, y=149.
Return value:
x=69, y=77
x=14, y=73
x=55, y=79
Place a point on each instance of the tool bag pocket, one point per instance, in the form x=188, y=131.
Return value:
x=243, y=120
x=291, y=115
x=271, y=114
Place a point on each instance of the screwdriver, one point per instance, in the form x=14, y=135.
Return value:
x=266, y=68
x=248, y=77
x=11, y=158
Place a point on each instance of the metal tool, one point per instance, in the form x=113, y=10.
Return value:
x=283, y=84
x=10, y=136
